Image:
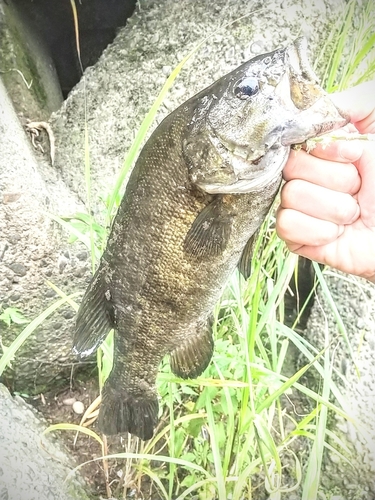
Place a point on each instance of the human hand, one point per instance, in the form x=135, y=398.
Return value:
x=327, y=210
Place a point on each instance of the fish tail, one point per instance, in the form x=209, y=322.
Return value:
x=94, y=318
x=121, y=411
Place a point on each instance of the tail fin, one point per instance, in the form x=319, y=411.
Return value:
x=121, y=412
x=94, y=318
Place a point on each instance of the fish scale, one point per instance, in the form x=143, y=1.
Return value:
x=199, y=191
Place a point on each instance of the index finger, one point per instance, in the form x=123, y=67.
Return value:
x=359, y=103
x=338, y=176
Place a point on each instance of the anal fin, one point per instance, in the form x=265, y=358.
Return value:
x=95, y=317
x=191, y=358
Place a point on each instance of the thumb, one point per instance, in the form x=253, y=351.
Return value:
x=359, y=103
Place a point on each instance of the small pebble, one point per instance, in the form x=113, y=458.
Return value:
x=78, y=407
x=69, y=401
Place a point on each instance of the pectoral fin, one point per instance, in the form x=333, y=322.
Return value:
x=95, y=317
x=210, y=232
x=191, y=358
x=244, y=264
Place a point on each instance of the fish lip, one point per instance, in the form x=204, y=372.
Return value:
x=252, y=181
x=245, y=185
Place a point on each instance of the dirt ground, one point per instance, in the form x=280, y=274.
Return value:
x=110, y=479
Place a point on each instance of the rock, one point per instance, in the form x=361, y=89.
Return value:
x=33, y=466
x=27, y=69
x=352, y=297
x=78, y=407
x=31, y=245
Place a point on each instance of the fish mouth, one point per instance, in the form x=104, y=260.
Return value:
x=249, y=178
x=313, y=112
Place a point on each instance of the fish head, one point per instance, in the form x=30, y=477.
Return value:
x=244, y=124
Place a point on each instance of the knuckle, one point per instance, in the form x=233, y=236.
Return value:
x=346, y=208
x=289, y=193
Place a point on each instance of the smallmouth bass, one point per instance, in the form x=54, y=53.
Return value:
x=200, y=189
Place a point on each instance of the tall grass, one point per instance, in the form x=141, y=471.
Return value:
x=231, y=434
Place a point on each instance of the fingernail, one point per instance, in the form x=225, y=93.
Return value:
x=350, y=150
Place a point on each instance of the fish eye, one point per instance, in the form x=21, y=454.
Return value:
x=267, y=60
x=248, y=87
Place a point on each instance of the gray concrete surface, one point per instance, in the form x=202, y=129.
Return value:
x=33, y=250
x=26, y=66
x=32, y=466
x=355, y=300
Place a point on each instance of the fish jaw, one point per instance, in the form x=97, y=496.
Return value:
x=318, y=114
x=322, y=117
x=269, y=168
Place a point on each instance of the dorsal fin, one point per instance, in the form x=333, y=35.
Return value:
x=95, y=317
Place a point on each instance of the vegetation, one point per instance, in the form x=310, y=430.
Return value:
x=234, y=431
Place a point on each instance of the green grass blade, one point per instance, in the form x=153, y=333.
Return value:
x=88, y=192
x=243, y=478
x=81, y=237
x=339, y=49
x=153, y=475
x=194, y=487
x=312, y=480
x=284, y=387
x=215, y=450
x=230, y=427
x=364, y=52
x=145, y=125
x=278, y=291
x=30, y=328
x=63, y=295
x=147, y=456
x=307, y=350
x=331, y=302
x=265, y=439
x=171, y=441
x=308, y=392
x=73, y=427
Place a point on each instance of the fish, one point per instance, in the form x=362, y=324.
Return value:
x=195, y=199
